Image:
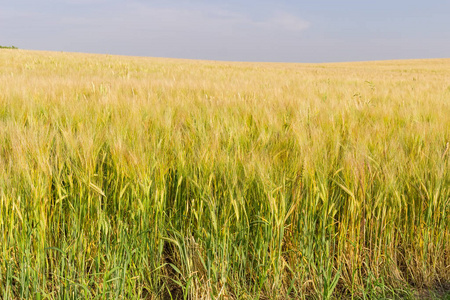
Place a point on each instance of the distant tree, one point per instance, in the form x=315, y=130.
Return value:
x=8, y=47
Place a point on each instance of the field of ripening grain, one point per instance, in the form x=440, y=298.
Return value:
x=143, y=178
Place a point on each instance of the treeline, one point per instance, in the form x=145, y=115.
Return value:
x=8, y=47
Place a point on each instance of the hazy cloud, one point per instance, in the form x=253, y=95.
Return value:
x=211, y=19
x=288, y=22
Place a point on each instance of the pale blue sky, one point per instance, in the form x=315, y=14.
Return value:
x=284, y=30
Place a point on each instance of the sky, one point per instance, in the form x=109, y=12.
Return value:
x=276, y=31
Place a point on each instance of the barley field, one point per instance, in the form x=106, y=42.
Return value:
x=149, y=178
